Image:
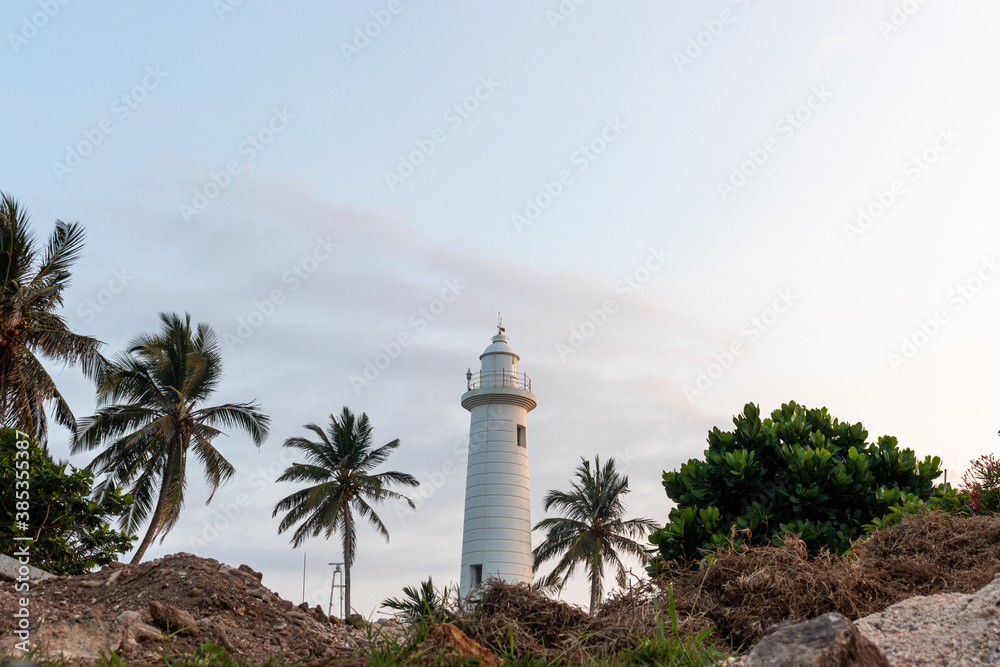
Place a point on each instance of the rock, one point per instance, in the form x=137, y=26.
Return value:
x=77, y=640
x=111, y=579
x=195, y=593
x=260, y=593
x=222, y=639
x=830, y=640
x=252, y=572
x=135, y=630
x=172, y=619
x=447, y=644
x=10, y=568
x=357, y=621
x=941, y=629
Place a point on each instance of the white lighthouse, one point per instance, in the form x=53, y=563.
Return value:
x=496, y=541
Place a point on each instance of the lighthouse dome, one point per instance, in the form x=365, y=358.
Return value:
x=499, y=346
x=499, y=356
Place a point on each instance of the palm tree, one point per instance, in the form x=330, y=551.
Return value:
x=592, y=531
x=419, y=604
x=339, y=469
x=34, y=280
x=153, y=395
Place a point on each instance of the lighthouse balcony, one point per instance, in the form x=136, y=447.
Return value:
x=501, y=378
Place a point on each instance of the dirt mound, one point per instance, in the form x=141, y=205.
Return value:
x=515, y=616
x=743, y=593
x=229, y=606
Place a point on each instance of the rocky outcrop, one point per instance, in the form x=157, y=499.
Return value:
x=943, y=629
x=830, y=640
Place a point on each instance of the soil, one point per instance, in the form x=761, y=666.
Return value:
x=231, y=608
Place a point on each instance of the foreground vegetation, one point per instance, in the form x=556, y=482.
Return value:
x=798, y=472
x=695, y=616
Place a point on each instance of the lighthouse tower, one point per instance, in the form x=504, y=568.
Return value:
x=496, y=541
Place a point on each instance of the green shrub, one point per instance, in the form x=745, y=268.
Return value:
x=981, y=483
x=70, y=530
x=799, y=472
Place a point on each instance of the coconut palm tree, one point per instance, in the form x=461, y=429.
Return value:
x=153, y=414
x=339, y=469
x=592, y=531
x=423, y=603
x=33, y=282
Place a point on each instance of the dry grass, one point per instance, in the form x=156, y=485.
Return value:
x=516, y=620
x=741, y=594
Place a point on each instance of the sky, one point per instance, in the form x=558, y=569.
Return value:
x=678, y=208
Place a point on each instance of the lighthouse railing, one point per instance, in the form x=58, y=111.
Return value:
x=501, y=378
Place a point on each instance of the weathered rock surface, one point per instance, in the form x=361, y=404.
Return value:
x=75, y=640
x=948, y=629
x=10, y=570
x=830, y=640
x=172, y=619
x=82, y=639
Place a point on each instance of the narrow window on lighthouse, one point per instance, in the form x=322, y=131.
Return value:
x=522, y=437
x=475, y=575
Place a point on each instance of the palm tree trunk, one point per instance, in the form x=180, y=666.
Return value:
x=595, y=583
x=154, y=523
x=347, y=561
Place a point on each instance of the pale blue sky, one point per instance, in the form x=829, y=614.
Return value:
x=879, y=97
